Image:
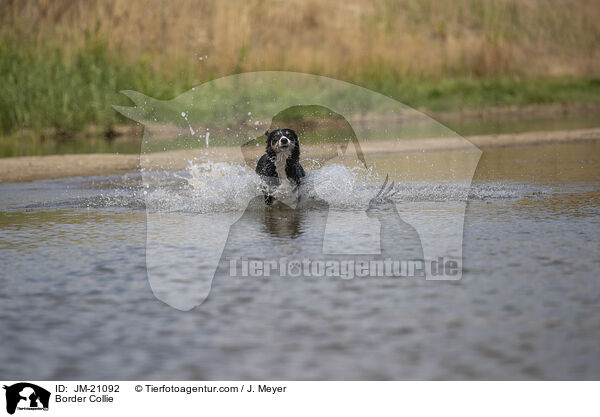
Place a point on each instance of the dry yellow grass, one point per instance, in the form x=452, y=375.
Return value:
x=343, y=39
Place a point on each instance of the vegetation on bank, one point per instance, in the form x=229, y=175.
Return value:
x=63, y=62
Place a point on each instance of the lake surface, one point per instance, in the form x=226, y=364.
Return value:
x=82, y=298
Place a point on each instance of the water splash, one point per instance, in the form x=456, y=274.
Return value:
x=211, y=187
x=227, y=187
x=224, y=187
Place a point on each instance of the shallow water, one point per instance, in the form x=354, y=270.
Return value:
x=77, y=301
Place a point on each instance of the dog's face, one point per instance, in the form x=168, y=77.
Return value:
x=282, y=140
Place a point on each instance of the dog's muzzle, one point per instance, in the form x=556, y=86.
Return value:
x=284, y=142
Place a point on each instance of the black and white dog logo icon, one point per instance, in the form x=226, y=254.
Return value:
x=26, y=396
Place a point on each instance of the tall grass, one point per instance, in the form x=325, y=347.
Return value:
x=62, y=62
x=46, y=90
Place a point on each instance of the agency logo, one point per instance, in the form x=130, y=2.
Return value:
x=199, y=153
x=26, y=396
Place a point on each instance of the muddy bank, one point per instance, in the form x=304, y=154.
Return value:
x=58, y=166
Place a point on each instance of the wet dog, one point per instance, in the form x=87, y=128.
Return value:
x=280, y=166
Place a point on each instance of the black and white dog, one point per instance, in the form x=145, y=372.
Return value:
x=280, y=166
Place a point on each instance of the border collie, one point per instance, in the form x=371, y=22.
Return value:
x=280, y=166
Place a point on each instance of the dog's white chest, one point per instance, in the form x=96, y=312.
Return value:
x=280, y=164
x=285, y=192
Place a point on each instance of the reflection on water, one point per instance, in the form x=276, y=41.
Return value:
x=282, y=222
x=75, y=291
x=490, y=125
x=29, y=145
x=32, y=145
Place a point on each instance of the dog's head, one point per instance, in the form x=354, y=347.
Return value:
x=283, y=140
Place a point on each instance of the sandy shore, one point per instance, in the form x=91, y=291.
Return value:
x=58, y=166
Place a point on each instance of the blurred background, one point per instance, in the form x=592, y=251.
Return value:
x=478, y=66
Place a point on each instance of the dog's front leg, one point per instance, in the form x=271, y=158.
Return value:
x=269, y=187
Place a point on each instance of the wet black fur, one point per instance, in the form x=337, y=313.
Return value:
x=266, y=165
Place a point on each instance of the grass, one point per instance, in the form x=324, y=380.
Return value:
x=63, y=62
x=44, y=90
x=456, y=94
